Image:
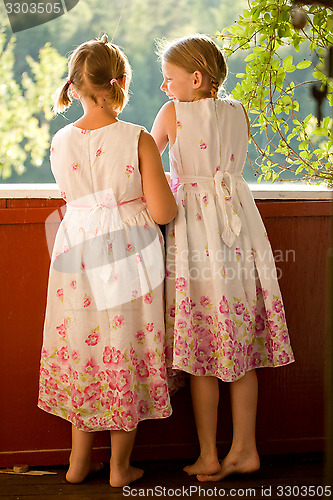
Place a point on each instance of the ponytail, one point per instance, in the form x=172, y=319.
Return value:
x=63, y=99
x=118, y=95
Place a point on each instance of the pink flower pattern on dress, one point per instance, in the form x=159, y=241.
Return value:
x=148, y=298
x=181, y=284
x=86, y=301
x=237, y=320
x=129, y=170
x=118, y=321
x=93, y=338
x=91, y=367
x=238, y=253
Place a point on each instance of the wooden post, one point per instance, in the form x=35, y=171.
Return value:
x=329, y=378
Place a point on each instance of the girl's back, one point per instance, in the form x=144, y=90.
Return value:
x=211, y=134
x=88, y=162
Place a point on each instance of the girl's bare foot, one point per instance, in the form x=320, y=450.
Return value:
x=203, y=465
x=78, y=471
x=123, y=476
x=236, y=464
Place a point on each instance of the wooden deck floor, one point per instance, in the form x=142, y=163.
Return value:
x=280, y=477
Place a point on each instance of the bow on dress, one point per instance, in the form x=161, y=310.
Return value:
x=101, y=221
x=224, y=185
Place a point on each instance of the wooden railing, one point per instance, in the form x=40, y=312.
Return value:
x=291, y=410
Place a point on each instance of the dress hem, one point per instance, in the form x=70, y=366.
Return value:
x=182, y=369
x=101, y=429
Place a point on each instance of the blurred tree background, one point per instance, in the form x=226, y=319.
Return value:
x=32, y=66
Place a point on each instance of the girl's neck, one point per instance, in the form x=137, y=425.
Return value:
x=96, y=115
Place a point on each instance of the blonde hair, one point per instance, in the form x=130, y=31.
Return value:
x=196, y=53
x=94, y=66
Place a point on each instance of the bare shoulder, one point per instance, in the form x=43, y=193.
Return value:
x=169, y=108
x=147, y=145
x=166, y=116
x=146, y=140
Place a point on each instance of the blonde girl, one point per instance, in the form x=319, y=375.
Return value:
x=103, y=362
x=224, y=310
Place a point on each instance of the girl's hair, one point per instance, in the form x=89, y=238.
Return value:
x=197, y=53
x=96, y=65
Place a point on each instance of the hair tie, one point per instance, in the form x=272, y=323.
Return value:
x=69, y=82
x=114, y=80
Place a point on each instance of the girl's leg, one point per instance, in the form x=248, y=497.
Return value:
x=80, y=463
x=121, y=472
x=243, y=455
x=205, y=399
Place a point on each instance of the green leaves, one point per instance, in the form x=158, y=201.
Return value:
x=288, y=64
x=303, y=64
x=25, y=109
x=274, y=86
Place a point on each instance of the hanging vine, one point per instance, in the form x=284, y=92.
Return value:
x=293, y=143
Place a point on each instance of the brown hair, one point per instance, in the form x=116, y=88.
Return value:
x=91, y=67
x=197, y=53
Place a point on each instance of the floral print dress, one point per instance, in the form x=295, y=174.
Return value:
x=224, y=312
x=103, y=356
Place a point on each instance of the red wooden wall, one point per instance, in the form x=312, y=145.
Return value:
x=291, y=411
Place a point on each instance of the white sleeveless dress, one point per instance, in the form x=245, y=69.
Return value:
x=103, y=356
x=224, y=312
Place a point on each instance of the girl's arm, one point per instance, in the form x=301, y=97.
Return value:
x=164, y=128
x=160, y=200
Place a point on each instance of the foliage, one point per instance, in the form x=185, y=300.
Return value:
x=268, y=91
x=175, y=18
x=25, y=106
x=148, y=18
